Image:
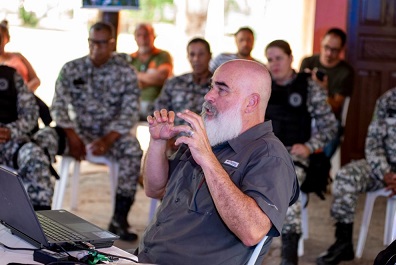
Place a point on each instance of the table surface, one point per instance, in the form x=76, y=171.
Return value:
x=26, y=256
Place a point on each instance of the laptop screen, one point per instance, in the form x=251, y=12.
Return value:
x=15, y=207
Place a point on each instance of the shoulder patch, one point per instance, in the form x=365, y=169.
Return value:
x=3, y=84
x=295, y=100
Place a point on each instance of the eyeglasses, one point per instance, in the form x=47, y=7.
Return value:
x=100, y=43
x=331, y=49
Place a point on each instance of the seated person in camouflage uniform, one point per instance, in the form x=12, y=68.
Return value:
x=375, y=172
x=25, y=69
x=18, y=116
x=187, y=91
x=295, y=101
x=244, y=40
x=96, y=102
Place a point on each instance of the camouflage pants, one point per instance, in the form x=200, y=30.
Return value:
x=32, y=165
x=292, y=223
x=126, y=151
x=351, y=180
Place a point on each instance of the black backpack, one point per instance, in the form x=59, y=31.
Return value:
x=317, y=174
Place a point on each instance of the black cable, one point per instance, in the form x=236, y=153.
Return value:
x=55, y=262
x=12, y=248
x=71, y=262
x=64, y=250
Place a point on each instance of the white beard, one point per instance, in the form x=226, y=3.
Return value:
x=224, y=126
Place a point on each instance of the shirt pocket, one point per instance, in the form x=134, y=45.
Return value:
x=78, y=92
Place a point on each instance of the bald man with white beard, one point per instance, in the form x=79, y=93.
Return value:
x=229, y=184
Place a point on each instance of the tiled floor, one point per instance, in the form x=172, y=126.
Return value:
x=95, y=206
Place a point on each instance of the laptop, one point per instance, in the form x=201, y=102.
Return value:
x=64, y=229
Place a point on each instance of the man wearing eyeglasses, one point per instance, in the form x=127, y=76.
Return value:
x=96, y=102
x=338, y=76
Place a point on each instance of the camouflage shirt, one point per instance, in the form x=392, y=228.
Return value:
x=325, y=127
x=180, y=93
x=380, y=145
x=96, y=100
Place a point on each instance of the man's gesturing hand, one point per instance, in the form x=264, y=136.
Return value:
x=196, y=139
x=161, y=125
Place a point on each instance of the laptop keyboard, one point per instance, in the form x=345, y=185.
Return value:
x=56, y=231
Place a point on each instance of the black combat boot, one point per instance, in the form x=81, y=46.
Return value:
x=289, y=248
x=342, y=249
x=119, y=224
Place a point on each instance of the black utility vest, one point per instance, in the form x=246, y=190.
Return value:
x=287, y=108
x=8, y=95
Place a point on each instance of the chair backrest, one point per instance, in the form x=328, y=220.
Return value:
x=256, y=252
x=393, y=238
x=344, y=112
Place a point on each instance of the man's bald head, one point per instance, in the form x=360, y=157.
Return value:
x=240, y=92
x=144, y=37
x=249, y=77
x=145, y=26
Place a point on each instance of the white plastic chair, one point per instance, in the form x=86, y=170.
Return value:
x=345, y=108
x=143, y=135
x=153, y=207
x=60, y=186
x=336, y=159
x=394, y=228
x=256, y=252
x=368, y=210
x=304, y=223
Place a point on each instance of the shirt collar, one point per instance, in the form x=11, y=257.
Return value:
x=111, y=60
x=257, y=131
x=190, y=79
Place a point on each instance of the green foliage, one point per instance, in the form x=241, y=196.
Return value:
x=150, y=10
x=28, y=18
